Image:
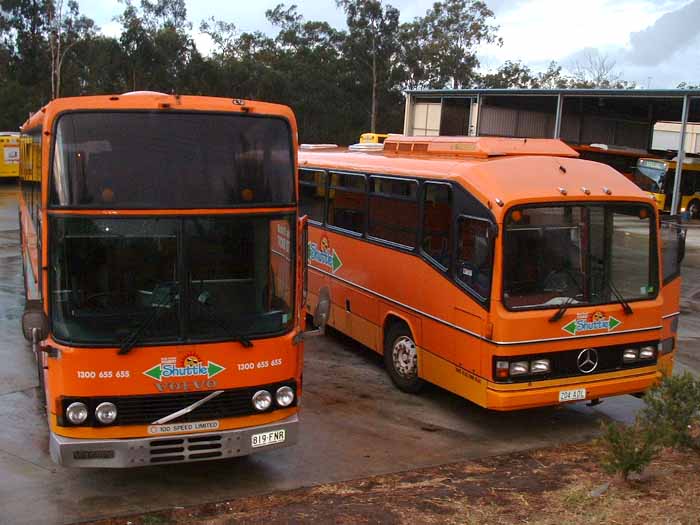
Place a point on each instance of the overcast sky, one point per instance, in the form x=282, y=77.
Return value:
x=654, y=42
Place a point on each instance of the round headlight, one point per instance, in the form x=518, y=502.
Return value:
x=262, y=399
x=106, y=413
x=77, y=413
x=284, y=396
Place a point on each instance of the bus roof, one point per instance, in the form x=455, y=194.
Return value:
x=499, y=180
x=146, y=100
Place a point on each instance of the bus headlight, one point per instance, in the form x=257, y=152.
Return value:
x=106, y=413
x=630, y=355
x=647, y=352
x=284, y=396
x=77, y=413
x=539, y=366
x=519, y=368
x=262, y=399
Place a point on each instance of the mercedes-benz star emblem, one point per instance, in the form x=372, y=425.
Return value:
x=587, y=360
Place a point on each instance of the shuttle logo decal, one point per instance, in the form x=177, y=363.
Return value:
x=191, y=366
x=325, y=255
x=590, y=322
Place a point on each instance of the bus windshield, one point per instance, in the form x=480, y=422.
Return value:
x=171, y=160
x=649, y=175
x=578, y=254
x=179, y=279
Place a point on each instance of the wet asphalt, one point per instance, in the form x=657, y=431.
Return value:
x=354, y=423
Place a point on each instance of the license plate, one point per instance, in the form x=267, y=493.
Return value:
x=572, y=395
x=268, y=438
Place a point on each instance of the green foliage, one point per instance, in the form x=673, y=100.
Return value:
x=672, y=411
x=670, y=418
x=627, y=449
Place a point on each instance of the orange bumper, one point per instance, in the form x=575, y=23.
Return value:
x=531, y=395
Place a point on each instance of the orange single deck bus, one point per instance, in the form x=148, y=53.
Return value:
x=163, y=281
x=504, y=270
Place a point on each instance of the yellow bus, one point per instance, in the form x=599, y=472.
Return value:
x=658, y=176
x=9, y=154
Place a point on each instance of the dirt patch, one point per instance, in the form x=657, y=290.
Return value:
x=563, y=485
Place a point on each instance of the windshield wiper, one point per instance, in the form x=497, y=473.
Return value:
x=203, y=300
x=562, y=310
x=625, y=305
x=159, y=306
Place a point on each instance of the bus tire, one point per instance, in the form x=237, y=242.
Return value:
x=401, y=358
x=694, y=209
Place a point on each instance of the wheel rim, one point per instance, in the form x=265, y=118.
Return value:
x=405, y=357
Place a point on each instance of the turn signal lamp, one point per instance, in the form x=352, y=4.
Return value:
x=502, y=369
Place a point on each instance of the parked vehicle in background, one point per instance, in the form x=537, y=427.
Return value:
x=506, y=271
x=621, y=158
x=160, y=244
x=9, y=154
x=657, y=177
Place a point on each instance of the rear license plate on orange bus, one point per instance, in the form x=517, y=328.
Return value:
x=267, y=438
x=572, y=395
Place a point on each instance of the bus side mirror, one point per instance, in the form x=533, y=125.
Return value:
x=35, y=324
x=323, y=309
x=321, y=314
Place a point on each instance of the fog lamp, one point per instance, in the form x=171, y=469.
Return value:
x=77, y=413
x=106, y=413
x=284, y=396
x=519, y=368
x=540, y=366
x=647, y=352
x=630, y=355
x=262, y=399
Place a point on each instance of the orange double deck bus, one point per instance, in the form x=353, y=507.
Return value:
x=160, y=242
x=506, y=271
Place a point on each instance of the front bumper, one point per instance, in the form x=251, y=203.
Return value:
x=500, y=397
x=164, y=449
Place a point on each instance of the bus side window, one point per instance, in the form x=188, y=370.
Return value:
x=312, y=194
x=475, y=254
x=347, y=200
x=393, y=210
x=437, y=219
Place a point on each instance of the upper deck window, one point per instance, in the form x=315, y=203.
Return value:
x=171, y=160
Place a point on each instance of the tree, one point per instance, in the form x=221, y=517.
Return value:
x=509, y=75
x=440, y=48
x=66, y=29
x=155, y=38
x=596, y=70
x=373, y=43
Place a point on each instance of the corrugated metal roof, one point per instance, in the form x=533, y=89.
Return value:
x=629, y=93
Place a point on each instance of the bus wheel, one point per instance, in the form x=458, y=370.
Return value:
x=694, y=209
x=401, y=359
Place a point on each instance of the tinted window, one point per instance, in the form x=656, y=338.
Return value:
x=171, y=160
x=672, y=247
x=393, y=210
x=474, y=255
x=437, y=217
x=312, y=193
x=347, y=202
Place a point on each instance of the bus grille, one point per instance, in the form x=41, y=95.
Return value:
x=144, y=410
x=185, y=449
x=564, y=364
